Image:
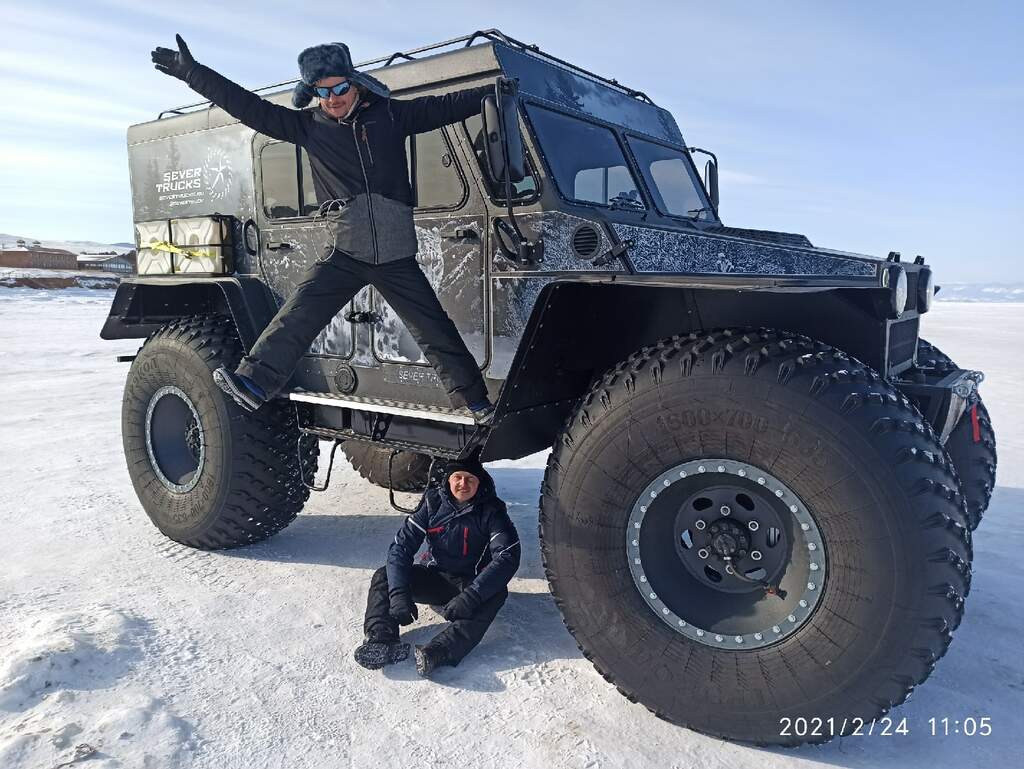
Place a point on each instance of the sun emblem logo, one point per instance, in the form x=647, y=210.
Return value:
x=217, y=174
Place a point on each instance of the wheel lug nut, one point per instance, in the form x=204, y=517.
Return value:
x=756, y=555
x=730, y=570
x=725, y=510
x=700, y=525
x=753, y=526
x=703, y=553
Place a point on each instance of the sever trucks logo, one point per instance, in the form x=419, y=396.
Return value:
x=211, y=181
x=217, y=174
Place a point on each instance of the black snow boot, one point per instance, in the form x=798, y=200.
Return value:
x=427, y=660
x=373, y=655
x=242, y=391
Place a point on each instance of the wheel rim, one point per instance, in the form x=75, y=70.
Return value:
x=699, y=528
x=175, y=439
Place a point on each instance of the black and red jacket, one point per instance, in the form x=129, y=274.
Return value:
x=477, y=540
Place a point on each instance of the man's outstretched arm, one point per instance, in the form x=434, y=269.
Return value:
x=257, y=113
x=426, y=113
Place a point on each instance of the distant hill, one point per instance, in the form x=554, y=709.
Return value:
x=980, y=292
x=74, y=246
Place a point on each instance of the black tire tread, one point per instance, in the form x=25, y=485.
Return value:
x=975, y=460
x=408, y=472
x=266, y=489
x=801, y=361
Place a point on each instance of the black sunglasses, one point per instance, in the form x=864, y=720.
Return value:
x=338, y=90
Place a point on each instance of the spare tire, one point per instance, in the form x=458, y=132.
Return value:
x=408, y=470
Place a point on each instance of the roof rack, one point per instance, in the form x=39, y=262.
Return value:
x=494, y=35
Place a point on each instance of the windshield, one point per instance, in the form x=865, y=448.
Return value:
x=585, y=159
x=668, y=176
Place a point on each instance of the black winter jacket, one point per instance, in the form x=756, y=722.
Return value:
x=477, y=541
x=361, y=162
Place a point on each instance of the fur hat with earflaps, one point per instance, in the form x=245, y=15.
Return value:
x=330, y=60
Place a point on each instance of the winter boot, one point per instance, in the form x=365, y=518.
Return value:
x=483, y=412
x=427, y=660
x=242, y=390
x=373, y=655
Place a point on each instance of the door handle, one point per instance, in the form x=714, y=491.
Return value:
x=282, y=245
x=462, y=233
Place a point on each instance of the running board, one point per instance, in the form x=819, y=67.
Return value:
x=381, y=406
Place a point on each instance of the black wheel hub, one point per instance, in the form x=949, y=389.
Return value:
x=174, y=439
x=734, y=527
x=728, y=540
x=725, y=553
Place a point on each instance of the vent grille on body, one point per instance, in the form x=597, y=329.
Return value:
x=586, y=241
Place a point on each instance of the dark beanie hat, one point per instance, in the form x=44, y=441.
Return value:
x=472, y=466
x=330, y=60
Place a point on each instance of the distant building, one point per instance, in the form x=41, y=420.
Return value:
x=38, y=257
x=123, y=264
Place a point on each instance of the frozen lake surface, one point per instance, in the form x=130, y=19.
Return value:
x=152, y=654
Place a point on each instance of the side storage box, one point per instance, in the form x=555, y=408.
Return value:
x=153, y=261
x=204, y=243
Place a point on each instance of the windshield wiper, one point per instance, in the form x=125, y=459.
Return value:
x=696, y=212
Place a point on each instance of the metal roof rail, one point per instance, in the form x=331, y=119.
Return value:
x=494, y=35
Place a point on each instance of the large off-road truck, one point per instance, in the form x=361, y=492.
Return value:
x=756, y=515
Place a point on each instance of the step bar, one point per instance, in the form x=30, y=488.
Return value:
x=436, y=414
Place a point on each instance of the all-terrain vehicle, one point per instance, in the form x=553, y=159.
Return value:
x=758, y=505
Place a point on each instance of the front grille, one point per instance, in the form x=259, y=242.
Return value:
x=902, y=344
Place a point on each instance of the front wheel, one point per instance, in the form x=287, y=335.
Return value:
x=745, y=528
x=209, y=475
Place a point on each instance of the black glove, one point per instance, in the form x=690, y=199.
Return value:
x=462, y=606
x=403, y=609
x=178, y=63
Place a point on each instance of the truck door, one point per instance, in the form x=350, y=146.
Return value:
x=450, y=229
x=291, y=239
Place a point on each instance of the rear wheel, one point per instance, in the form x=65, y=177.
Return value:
x=972, y=443
x=745, y=528
x=409, y=469
x=208, y=474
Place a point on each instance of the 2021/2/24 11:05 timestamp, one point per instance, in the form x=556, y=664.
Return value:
x=883, y=727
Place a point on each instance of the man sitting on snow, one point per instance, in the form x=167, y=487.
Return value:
x=473, y=553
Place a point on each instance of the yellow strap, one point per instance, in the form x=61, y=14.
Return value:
x=163, y=245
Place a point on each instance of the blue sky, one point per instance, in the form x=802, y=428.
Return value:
x=867, y=126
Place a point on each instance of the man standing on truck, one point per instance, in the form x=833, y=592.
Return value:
x=356, y=147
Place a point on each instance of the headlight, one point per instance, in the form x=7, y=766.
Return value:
x=925, y=290
x=898, y=286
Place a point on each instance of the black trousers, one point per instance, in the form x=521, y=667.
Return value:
x=327, y=286
x=433, y=587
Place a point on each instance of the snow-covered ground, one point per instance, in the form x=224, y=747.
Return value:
x=126, y=650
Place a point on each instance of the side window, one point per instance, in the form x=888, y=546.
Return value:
x=601, y=185
x=435, y=175
x=280, y=180
x=523, y=190
x=586, y=159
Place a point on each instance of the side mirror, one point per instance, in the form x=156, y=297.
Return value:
x=502, y=139
x=711, y=181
